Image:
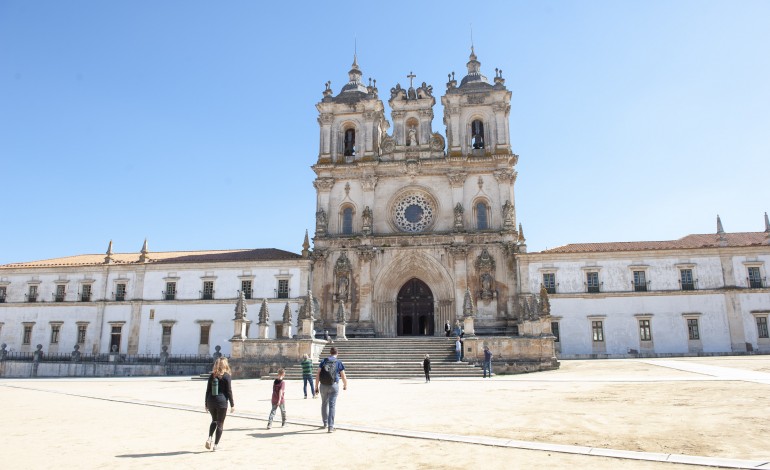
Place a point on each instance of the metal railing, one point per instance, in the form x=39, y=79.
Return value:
x=756, y=283
x=105, y=357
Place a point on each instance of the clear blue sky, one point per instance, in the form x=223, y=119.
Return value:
x=193, y=123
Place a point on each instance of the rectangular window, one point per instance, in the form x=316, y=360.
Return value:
x=166, y=339
x=755, y=281
x=85, y=293
x=481, y=216
x=120, y=292
x=55, y=333
x=60, y=293
x=592, y=281
x=762, y=327
x=208, y=290
x=32, y=296
x=598, y=331
x=645, y=332
x=205, y=330
x=283, y=288
x=549, y=281
x=2, y=294
x=640, y=281
x=693, y=333
x=686, y=280
x=555, y=330
x=82, y=334
x=115, y=338
x=170, y=293
x=246, y=289
x=27, y=337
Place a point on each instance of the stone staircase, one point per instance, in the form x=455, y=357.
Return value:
x=394, y=358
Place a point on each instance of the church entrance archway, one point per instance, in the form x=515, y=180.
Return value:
x=414, y=309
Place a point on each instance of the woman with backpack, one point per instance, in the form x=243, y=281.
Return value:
x=218, y=393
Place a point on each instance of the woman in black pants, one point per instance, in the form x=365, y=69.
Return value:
x=218, y=393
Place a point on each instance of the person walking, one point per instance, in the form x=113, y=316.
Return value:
x=426, y=367
x=327, y=381
x=279, y=390
x=307, y=375
x=458, y=349
x=487, y=362
x=218, y=393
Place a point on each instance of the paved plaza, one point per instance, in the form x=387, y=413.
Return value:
x=678, y=413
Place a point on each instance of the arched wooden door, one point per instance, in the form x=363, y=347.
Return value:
x=415, y=309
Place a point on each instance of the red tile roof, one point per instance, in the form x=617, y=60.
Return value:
x=208, y=256
x=708, y=240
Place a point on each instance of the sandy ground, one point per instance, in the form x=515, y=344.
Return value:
x=618, y=404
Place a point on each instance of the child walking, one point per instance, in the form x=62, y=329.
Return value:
x=279, y=390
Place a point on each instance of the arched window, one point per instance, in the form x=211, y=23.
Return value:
x=347, y=221
x=477, y=134
x=482, y=216
x=350, y=143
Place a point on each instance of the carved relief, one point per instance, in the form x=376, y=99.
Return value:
x=505, y=176
x=476, y=98
x=369, y=182
x=458, y=224
x=412, y=167
x=508, y=216
x=366, y=253
x=323, y=184
x=437, y=142
x=456, y=179
x=326, y=118
x=388, y=145
x=458, y=251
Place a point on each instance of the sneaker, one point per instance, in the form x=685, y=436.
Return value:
x=208, y=443
x=214, y=448
x=269, y=426
x=315, y=396
x=331, y=430
x=306, y=397
x=283, y=423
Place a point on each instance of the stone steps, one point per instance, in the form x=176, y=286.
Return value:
x=393, y=358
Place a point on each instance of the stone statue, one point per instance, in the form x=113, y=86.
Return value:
x=411, y=140
x=486, y=286
x=217, y=352
x=342, y=288
x=37, y=356
x=75, y=354
x=320, y=222
x=366, y=216
x=459, y=217
x=508, y=215
x=3, y=352
x=164, y=355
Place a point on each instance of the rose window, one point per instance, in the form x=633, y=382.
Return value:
x=414, y=213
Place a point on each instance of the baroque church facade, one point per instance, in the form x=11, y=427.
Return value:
x=414, y=229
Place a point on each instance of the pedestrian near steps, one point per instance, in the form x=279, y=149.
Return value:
x=426, y=367
x=487, y=362
x=277, y=400
x=218, y=393
x=459, y=349
x=307, y=375
x=327, y=382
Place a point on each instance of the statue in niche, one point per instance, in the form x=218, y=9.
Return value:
x=459, y=217
x=411, y=140
x=320, y=222
x=342, y=288
x=487, y=282
x=366, y=225
x=508, y=215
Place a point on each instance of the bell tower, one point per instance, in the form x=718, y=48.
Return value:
x=476, y=113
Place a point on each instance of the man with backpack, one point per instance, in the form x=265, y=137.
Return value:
x=327, y=380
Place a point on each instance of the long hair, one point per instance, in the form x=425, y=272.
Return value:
x=221, y=367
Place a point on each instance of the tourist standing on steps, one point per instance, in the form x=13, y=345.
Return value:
x=277, y=400
x=218, y=393
x=327, y=381
x=447, y=328
x=426, y=367
x=458, y=349
x=307, y=375
x=487, y=362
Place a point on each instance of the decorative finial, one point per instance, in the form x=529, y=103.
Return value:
x=306, y=246
x=411, y=77
x=143, y=258
x=521, y=234
x=264, y=313
x=767, y=224
x=468, y=310
x=108, y=258
x=720, y=229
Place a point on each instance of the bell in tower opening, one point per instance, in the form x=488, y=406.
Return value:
x=477, y=131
